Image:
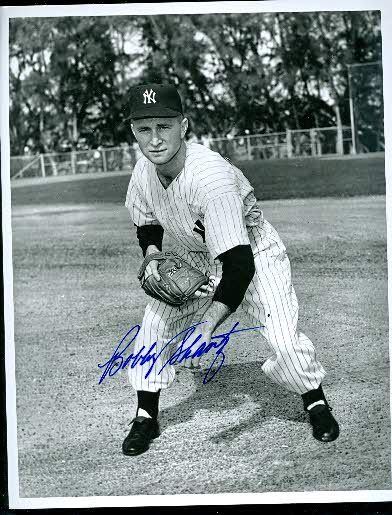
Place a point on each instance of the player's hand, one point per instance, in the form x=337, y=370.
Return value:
x=208, y=289
x=206, y=334
x=152, y=269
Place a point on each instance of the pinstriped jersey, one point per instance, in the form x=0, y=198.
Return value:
x=206, y=208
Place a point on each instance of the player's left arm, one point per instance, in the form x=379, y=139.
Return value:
x=148, y=229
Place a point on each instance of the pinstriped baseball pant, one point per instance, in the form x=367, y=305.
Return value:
x=270, y=301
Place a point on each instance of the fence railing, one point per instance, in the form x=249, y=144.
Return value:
x=279, y=145
x=104, y=160
x=292, y=143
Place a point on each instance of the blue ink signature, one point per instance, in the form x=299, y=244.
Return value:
x=184, y=351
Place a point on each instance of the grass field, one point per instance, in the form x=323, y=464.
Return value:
x=272, y=179
x=76, y=294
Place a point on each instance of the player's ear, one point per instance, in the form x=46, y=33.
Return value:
x=184, y=127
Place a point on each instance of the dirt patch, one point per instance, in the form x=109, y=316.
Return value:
x=76, y=294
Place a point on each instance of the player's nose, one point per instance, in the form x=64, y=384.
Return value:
x=155, y=138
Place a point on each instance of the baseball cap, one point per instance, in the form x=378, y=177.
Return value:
x=154, y=100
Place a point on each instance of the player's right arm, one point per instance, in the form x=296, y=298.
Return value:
x=226, y=235
x=227, y=240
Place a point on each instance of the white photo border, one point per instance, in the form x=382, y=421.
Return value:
x=7, y=13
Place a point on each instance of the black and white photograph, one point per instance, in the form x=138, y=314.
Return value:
x=195, y=253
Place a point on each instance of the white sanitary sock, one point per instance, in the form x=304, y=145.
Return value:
x=143, y=413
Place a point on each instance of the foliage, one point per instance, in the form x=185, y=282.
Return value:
x=70, y=77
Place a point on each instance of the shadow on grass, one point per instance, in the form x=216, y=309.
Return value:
x=232, y=387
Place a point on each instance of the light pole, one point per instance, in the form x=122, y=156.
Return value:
x=352, y=116
x=351, y=100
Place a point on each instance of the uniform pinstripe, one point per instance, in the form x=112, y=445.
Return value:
x=214, y=194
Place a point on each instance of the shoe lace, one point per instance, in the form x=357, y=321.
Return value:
x=136, y=428
x=133, y=428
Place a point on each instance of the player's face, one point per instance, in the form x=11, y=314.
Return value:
x=160, y=138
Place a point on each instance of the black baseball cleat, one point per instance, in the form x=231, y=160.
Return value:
x=139, y=438
x=325, y=427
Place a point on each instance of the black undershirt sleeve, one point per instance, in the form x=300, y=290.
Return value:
x=149, y=235
x=238, y=269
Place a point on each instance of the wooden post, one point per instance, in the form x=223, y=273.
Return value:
x=313, y=142
x=289, y=143
x=104, y=163
x=54, y=164
x=73, y=167
x=339, y=140
x=276, y=146
x=248, y=147
x=339, y=131
x=41, y=157
x=318, y=144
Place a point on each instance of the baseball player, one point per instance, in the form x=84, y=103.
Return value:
x=208, y=207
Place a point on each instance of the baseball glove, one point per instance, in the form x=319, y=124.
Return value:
x=179, y=280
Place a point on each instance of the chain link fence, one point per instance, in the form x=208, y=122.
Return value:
x=119, y=159
x=25, y=166
x=279, y=145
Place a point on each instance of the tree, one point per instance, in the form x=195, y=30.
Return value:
x=31, y=87
x=83, y=64
x=265, y=72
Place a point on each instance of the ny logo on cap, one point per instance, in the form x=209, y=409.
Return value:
x=149, y=96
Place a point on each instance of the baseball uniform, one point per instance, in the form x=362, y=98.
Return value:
x=208, y=209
